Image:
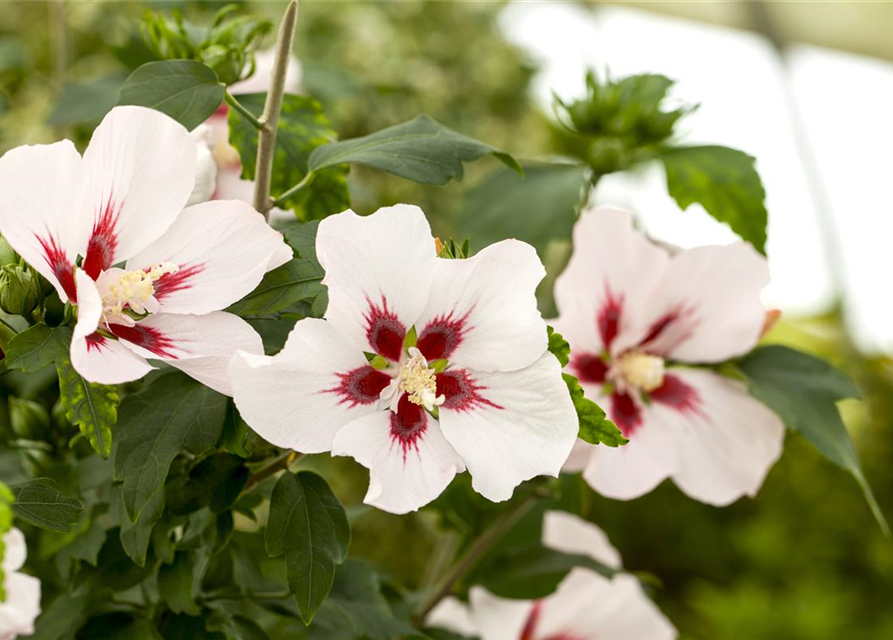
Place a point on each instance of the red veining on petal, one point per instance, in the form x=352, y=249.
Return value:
x=178, y=281
x=608, y=317
x=148, y=338
x=408, y=424
x=669, y=331
x=95, y=341
x=461, y=392
x=527, y=633
x=360, y=386
x=62, y=269
x=676, y=393
x=589, y=367
x=442, y=335
x=384, y=331
x=103, y=241
x=625, y=413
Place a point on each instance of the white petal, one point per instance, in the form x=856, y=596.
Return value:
x=40, y=188
x=589, y=606
x=206, y=166
x=379, y=271
x=482, y=313
x=453, y=615
x=405, y=473
x=498, y=618
x=713, y=294
x=511, y=426
x=308, y=380
x=602, y=293
x=260, y=81
x=568, y=533
x=21, y=607
x=140, y=170
x=201, y=346
x=97, y=358
x=15, y=550
x=222, y=249
x=729, y=443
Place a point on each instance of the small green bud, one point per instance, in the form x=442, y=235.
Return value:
x=19, y=290
x=28, y=419
x=7, y=253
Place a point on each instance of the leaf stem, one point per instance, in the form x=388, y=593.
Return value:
x=472, y=556
x=279, y=463
x=278, y=202
x=266, y=139
x=243, y=110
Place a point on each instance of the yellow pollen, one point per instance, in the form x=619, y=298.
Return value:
x=640, y=370
x=419, y=382
x=135, y=289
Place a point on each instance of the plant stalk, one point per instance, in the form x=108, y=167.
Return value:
x=266, y=142
x=278, y=464
x=238, y=106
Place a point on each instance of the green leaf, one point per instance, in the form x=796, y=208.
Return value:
x=595, y=428
x=422, y=150
x=62, y=619
x=113, y=570
x=186, y=90
x=136, y=536
x=215, y=482
x=356, y=608
x=86, y=103
x=176, y=584
x=174, y=415
x=92, y=407
x=803, y=390
x=537, y=208
x=38, y=502
x=309, y=526
x=86, y=545
x=37, y=347
x=559, y=347
x=302, y=128
x=725, y=182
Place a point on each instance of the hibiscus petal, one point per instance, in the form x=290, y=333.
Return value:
x=15, y=550
x=222, y=248
x=140, y=170
x=320, y=382
x=568, y=533
x=482, y=313
x=509, y=426
x=409, y=461
x=94, y=356
x=379, y=271
x=499, y=618
x=730, y=443
x=40, y=187
x=707, y=308
x=201, y=346
x=607, y=283
x=21, y=607
x=453, y=615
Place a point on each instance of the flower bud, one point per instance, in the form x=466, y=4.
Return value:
x=28, y=419
x=7, y=253
x=19, y=290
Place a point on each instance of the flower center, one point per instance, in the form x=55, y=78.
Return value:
x=135, y=290
x=640, y=370
x=419, y=382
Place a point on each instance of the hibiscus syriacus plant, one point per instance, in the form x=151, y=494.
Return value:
x=291, y=415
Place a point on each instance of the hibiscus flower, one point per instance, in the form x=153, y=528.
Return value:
x=22, y=604
x=633, y=312
x=586, y=605
x=422, y=367
x=153, y=276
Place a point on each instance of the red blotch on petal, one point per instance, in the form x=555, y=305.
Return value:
x=625, y=413
x=146, y=337
x=103, y=241
x=172, y=282
x=62, y=269
x=589, y=367
x=95, y=341
x=384, y=331
x=461, y=392
x=361, y=386
x=441, y=337
x=608, y=318
x=675, y=393
x=408, y=424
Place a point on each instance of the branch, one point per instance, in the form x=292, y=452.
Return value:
x=278, y=464
x=266, y=143
x=243, y=110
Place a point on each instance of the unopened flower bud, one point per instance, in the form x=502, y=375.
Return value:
x=28, y=419
x=7, y=253
x=19, y=290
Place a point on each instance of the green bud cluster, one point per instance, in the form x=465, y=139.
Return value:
x=227, y=45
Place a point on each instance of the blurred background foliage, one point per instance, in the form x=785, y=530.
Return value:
x=803, y=560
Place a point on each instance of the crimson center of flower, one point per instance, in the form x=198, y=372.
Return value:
x=639, y=370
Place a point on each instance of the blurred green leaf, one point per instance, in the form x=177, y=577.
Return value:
x=174, y=415
x=215, y=482
x=186, y=90
x=422, y=150
x=86, y=103
x=136, y=536
x=308, y=524
x=725, y=182
x=38, y=347
x=176, y=584
x=595, y=428
x=803, y=390
x=38, y=502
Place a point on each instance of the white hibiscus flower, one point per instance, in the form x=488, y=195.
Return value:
x=22, y=604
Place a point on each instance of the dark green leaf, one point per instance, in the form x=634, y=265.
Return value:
x=114, y=569
x=595, y=428
x=803, y=390
x=136, y=536
x=38, y=502
x=176, y=583
x=537, y=208
x=422, y=150
x=296, y=280
x=725, y=182
x=183, y=627
x=86, y=103
x=118, y=626
x=308, y=525
x=186, y=90
x=302, y=128
x=92, y=407
x=174, y=415
x=559, y=347
x=215, y=482
x=86, y=546
x=37, y=347
x=62, y=619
